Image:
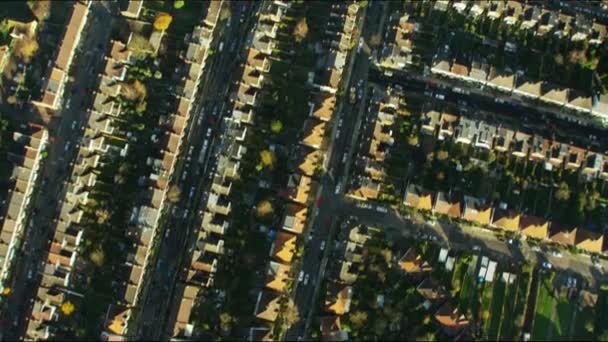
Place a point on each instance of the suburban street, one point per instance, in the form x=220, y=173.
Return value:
x=164, y=290
x=57, y=165
x=321, y=221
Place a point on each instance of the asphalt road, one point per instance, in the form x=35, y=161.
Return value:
x=166, y=286
x=57, y=167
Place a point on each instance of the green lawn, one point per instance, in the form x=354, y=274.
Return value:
x=496, y=309
x=515, y=308
x=565, y=310
x=544, y=326
x=486, y=301
x=584, y=318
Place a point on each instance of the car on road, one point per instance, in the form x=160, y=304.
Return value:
x=67, y=146
x=209, y=130
x=301, y=276
x=306, y=279
x=167, y=232
x=440, y=97
x=30, y=274
x=74, y=123
x=191, y=194
x=184, y=175
x=547, y=265
x=185, y=214
x=322, y=245
x=338, y=188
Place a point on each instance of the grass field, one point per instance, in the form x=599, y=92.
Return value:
x=544, y=320
x=486, y=301
x=498, y=299
x=515, y=307
x=584, y=318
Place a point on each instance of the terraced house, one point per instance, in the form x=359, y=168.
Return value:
x=30, y=142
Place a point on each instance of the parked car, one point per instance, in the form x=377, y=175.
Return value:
x=301, y=276
x=556, y=253
x=323, y=245
x=381, y=209
x=476, y=248
x=306, y=280
x=547, y=265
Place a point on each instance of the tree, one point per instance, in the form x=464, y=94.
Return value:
x=174, y=194
x=300, y=31
x=440, y=176
x=226, y=321
x=177, y=4
x=135, y=90
x=11, y=99
x=267, y=159
x=563, y=192
x=97, y=257
x=375, y=40
x=162, y=21
x=291, y=315
x=264, y=209
x=442, y=155
x=358, y=318
x=26, y=49
x=225, y=13
x=67, y=308
x=276, y=126
x=102, y=215
x=412, y=140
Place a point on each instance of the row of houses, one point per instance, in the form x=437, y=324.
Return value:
x=505, y=80
x=368, y=184
x=31, y=142
x=217, y=211
x=145, y=217
x=478, y=212
x=339, y=292
x=300, y=185
x=398, y=54
x=531, y=16
x=436, y=297
x=65, y=245
x=57, y=75
x=488, y=136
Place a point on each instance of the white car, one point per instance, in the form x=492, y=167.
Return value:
x=67, y=146
x=556, y=253
x=323, y=245
x=476, y=248
x=547, y=265
x=381, y=209
x=301, y=277
x=306, y=280
x=338, y=188
x=167, y=232
x=74, y=123
x=185, y=214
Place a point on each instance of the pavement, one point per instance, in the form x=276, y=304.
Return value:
x=56, y=169
x=163, y=294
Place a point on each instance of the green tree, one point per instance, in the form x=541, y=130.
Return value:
x=563, y=192
x=177, y=4
x=276, y=126
x=300, y=30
